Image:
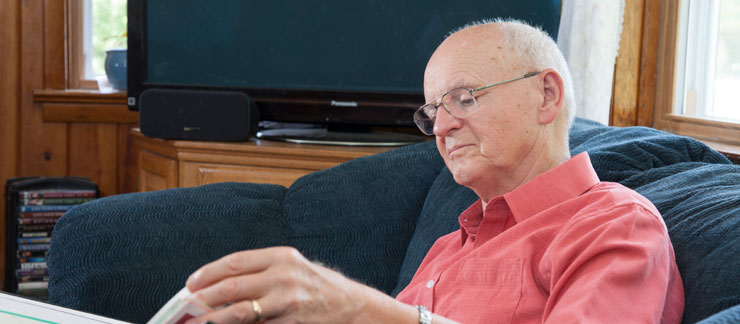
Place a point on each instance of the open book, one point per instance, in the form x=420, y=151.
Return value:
x=179, y=309
x=20, y=310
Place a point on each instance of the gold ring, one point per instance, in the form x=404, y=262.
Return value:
x=257, y=310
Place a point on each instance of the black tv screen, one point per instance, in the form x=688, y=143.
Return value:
x=330, y=62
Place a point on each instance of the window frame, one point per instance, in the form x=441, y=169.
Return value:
x=712, y=131
x=75, y=15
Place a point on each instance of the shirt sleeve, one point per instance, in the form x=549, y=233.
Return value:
x=613, y=265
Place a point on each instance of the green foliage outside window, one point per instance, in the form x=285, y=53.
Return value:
x=108, y=30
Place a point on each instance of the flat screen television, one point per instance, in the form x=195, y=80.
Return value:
x=336, y=64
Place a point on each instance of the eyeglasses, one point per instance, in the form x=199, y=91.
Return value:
x=459, y=102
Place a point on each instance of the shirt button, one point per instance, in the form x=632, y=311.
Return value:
x=430, y=283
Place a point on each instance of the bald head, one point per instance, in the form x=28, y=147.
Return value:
x=509, y=47
x=477, y=50
x=516, y=127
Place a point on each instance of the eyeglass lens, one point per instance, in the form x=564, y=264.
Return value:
x=458, y=102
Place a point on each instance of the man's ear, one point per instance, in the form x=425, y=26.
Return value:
x=553, y=91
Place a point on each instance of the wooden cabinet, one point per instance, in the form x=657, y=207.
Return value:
x=166, y=164
x=156, y=171
x=194, y=174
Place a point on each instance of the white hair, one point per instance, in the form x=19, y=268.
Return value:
x=535, y=49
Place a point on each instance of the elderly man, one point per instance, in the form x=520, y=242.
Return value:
x=546, y=243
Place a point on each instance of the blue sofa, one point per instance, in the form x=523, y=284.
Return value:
x=374, y=218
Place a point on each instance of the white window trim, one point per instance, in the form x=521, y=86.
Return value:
x=696, y=58
x=87, y=38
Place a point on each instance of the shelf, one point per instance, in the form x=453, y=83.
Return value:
x=84, y=106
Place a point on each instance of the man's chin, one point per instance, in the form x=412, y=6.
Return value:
x=462, y=177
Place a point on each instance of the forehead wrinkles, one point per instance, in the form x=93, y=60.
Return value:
x=468, y=58
x=443, y=77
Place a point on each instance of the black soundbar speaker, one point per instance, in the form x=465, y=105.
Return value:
x=197, y=114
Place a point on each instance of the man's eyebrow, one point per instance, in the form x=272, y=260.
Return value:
x=458, y=84
x=455, y=85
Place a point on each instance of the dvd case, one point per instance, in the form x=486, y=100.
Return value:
x=33, y=206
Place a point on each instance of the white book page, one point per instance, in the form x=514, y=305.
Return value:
x=179, y=309
x=19, y=310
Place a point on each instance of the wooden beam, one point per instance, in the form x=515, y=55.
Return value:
x=9, y=104
x=79, y=96
x=88, y=113
x=666, y=76
x=648, y=63
x=55, y=67
x=86, y=106
x=627, y=67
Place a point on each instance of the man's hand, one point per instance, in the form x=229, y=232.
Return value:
x=287, y=287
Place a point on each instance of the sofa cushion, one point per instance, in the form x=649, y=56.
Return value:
x=700, y=203
x=124, y=256
x=618, y=153
x=696, y=190
x=330, y=219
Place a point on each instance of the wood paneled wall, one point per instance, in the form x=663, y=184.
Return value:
x=43, y=148
x=33, y=54
x=9, y=102
x=59, y=146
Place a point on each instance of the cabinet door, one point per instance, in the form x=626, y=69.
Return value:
x=156, y=172
x=196, y=174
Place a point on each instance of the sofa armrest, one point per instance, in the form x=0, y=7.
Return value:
x=124, y=256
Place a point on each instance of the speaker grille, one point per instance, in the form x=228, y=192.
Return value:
x=197, y=114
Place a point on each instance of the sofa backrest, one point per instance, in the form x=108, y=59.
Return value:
x=359, y=216
x=124, y=256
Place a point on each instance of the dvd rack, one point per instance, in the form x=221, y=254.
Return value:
x=33, y=207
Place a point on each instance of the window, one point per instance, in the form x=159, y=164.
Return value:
x=708, y=55
x=699, y=71
x=95, y=27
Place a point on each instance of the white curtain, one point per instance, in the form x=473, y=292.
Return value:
x=588, y=36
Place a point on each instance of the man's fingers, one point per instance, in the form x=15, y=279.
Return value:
x=245, y=311
x=235, y=264
x=237, y=279
x=234, y=289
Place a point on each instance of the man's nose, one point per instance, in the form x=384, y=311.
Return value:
x=445, y=122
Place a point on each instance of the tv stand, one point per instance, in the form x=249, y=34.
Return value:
x=326, y=137
x=162, y=164
x=339, y=137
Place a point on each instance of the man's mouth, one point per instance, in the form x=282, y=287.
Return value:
x=456, y=148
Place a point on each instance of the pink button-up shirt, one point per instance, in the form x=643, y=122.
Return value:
x=562, y=248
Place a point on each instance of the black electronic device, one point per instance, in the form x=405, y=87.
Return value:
x=206, y=115
x=351, y=65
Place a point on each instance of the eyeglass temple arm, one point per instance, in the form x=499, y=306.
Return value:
x=507, y=81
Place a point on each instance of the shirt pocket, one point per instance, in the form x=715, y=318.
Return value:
x=480, y=290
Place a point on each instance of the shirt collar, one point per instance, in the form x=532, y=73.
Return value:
x=473, y=214
x=565, y=181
